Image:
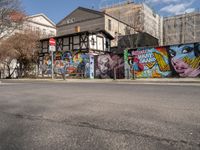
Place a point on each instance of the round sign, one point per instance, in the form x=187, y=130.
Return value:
x=52, y=41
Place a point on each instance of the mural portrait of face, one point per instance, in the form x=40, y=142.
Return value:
x=104, y=64
x=184, y=60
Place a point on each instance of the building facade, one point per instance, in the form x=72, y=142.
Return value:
x=41, y=24
x=83, y=19
x=74, y=53
x=182, y=29
x=139, y=16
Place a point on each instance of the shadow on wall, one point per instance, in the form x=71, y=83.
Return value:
x=168, y=61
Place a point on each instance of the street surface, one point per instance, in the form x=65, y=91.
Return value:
x=99, y=116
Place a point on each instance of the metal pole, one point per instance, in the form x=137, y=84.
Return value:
x=52, y=65
x=127, y=73
x=114, y=73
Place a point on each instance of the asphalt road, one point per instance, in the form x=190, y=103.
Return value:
x=96, y=116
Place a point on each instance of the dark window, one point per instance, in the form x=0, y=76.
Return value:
x=109, y=24
x=92, y=41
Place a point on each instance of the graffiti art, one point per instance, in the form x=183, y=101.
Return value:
x=168, y=61
x=185, y=60
x=106, y=64
x=68, y=63
x=150, y=63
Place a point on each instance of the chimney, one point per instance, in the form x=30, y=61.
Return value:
x=77, y=29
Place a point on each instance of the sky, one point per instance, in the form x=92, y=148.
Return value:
x=56, y=10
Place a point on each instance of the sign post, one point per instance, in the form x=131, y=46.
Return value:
x=52, y=49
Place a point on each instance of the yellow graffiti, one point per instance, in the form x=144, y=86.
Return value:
x=150, y=64
x=155, y=74
x=77, y=58
x=194, y=63
x=163, y=66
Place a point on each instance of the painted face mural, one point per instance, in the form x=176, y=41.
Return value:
x=107, y=63
x=150, y=63
x=104, y=67
x=185, y=60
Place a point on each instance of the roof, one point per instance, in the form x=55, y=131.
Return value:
x=43, y=15
x=91, y=10
x=84, y=9
x=84, y=32
x=95, y=12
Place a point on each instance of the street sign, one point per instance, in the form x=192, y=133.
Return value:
x=52, y=48
x=52, y=42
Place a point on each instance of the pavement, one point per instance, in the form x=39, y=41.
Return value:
x=64, y=115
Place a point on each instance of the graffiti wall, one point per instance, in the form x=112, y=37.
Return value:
x=150, y=62
x=185, y=60
x=68, y=63
x=160, y=62
x=106, y=64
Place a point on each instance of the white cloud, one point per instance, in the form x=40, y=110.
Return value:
x=189, y=10
x=161, y=1
x=178, y=8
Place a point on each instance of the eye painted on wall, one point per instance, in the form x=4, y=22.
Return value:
x=187, y=50
x=172, y=53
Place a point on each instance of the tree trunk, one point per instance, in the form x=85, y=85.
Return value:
x=9, y=74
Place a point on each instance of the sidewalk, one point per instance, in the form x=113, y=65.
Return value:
x=166, y=80
x=141, y=80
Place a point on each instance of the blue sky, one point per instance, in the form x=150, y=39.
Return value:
x=58, y=9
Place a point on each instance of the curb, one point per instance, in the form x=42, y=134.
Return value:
x=196, y=81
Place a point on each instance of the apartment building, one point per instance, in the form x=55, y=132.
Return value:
x=183, y=28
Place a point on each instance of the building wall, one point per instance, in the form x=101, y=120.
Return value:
x=45, y=31
x=92, y=21
x=38, y=23
x=140, y=17
x=182, y=29
x=127, y=12
x=117, y=29
x=160, y=62
x=197, y=27
x=153, y=23
x=91, y=25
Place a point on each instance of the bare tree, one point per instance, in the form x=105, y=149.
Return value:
x=6, y=58
x=11, y=17
x=24, y=48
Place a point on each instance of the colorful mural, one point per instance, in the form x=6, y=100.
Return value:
x=105, y=65
x=150, y=63
x=160, y=62
x=68, y=63
x=185, y=60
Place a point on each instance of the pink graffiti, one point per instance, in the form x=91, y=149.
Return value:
x=184, y=69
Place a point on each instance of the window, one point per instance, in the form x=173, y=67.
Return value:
x=44, y=31
x=92, y=41
x=109, y=24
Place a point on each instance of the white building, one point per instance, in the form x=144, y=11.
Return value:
x=39, y=23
